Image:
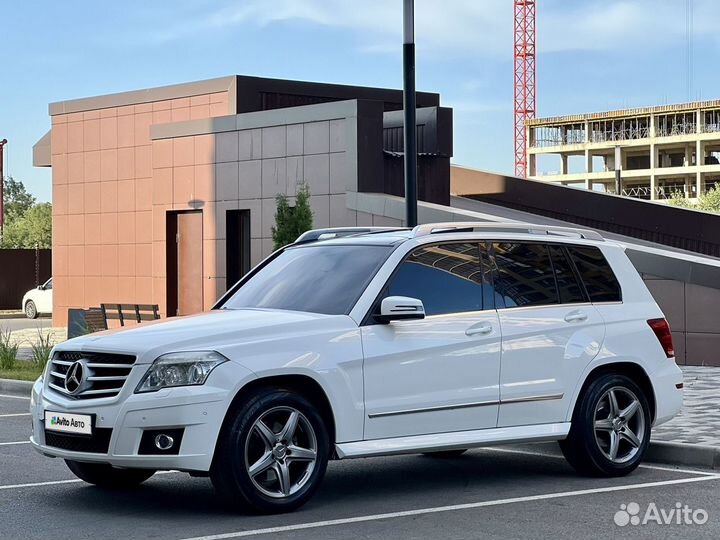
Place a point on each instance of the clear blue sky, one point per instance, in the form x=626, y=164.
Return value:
x=593, y=55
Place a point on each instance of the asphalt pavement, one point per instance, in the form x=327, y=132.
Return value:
x=508, y=492
x=23, y=323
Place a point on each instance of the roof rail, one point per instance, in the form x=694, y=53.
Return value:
x=528, y=228
x=338, y=232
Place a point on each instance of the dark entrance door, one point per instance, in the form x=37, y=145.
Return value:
x=238, y=245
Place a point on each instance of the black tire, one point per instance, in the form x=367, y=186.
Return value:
x=106, y=476
x=229, y=472
x=445, y=454
x=31, y=310
x=587, y=453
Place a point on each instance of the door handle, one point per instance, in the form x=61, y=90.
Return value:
x=479, y=329
x=576, y=316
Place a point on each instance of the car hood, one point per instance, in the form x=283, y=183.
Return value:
x=213, y=330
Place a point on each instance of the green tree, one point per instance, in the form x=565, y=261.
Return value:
x=292, y=221
x=16, y=199
x=710, y=202
x=32, y=229
x=677, y=198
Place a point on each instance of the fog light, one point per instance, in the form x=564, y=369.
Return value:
x=164, y=442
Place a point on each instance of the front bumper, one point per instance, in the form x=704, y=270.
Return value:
x=198, y=410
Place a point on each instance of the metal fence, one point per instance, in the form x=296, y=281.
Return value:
x=20, y=271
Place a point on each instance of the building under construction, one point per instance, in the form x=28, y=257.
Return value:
x=658, y=150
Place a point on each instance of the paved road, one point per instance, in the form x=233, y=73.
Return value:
x=512, y=492
x=25, y=323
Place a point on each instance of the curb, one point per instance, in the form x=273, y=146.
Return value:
x=15, y=388
x=688, y=455
x=13, y=315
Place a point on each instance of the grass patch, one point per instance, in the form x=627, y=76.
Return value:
x=8, y=350
x=21, y=371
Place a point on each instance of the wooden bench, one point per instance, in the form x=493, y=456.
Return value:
x=129, y=312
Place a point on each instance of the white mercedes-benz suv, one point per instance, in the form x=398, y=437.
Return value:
x=366, y=342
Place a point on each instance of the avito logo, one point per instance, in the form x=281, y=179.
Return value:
x=62, y=421
x=681, y=514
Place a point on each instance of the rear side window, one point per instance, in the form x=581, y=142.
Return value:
x=569, y=288
x=448, y=278
x=600, y=281
x=523, y=275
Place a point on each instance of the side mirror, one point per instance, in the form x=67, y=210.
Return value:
x=40, y=288
x=400, y=308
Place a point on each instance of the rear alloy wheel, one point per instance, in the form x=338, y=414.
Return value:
x=273, y=455
x=30, y=310
x=106, y=476
x=610, y=429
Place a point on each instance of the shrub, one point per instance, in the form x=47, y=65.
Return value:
x=8, y=351
x=41, y=348
x=292, y=221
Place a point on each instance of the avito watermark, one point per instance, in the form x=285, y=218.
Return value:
x=680, y=514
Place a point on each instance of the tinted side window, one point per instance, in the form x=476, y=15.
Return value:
x=570, y=289
x=600, y=281
x=524, y=274
x=448, y=278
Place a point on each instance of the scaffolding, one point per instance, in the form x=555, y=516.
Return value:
x=545, y=136
x=623, y=129
x=668, y=125
x=712, y=122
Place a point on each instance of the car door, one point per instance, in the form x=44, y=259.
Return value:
x=550, y=331
x=438, y=374
x=44, y=298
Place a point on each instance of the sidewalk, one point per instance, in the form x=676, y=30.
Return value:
x=26, y=337
x=699, y=420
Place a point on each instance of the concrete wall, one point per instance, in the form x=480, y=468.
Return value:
x=243, y=162
x=691, y=311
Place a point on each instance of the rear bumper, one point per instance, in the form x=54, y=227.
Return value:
x=668, y=397
x=198, y=410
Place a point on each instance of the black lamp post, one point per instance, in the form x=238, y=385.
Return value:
x=410, y=135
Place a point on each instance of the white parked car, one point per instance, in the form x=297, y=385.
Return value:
x=354, y=343
x=38, y=301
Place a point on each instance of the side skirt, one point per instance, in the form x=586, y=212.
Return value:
x=453, y=441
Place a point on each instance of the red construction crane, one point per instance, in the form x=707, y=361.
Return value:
x=524, y=79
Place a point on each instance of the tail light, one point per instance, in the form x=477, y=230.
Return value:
x=662, y=332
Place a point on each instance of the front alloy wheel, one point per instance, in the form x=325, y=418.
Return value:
x=281, y=452
x=272, y=452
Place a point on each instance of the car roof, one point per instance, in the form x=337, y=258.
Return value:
x=432, y=232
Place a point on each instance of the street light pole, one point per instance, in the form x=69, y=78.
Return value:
x=409, y=129
x=2, y=185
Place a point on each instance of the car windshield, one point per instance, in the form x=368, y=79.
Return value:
x=316, y=278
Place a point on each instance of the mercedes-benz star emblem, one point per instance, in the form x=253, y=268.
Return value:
x=74, y=377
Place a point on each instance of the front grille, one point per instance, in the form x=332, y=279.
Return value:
x=97, y=443
x=103, y=374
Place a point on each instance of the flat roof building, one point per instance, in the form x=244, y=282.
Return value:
x=167, y=195
x=661, y=150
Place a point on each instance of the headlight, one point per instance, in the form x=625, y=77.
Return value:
x=180, y=369
x=48, y=365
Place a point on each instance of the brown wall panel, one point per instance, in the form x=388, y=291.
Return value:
x=20, y=271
